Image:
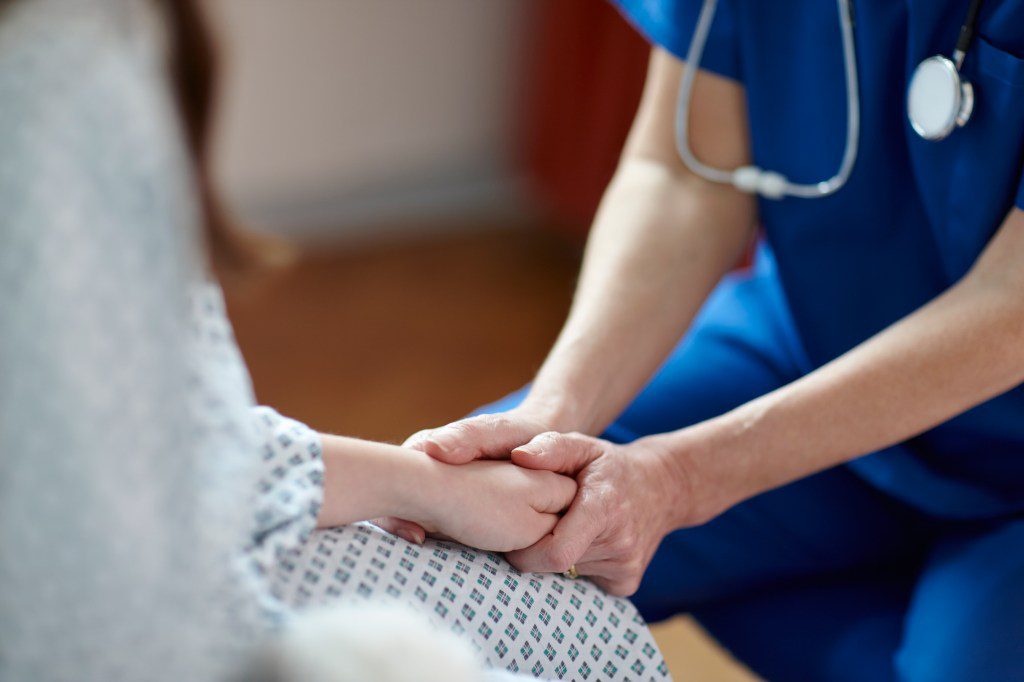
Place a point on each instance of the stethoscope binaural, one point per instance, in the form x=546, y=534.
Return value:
x=939, y=100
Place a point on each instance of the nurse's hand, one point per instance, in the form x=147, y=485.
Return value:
x=629, y=498
x=485, y=436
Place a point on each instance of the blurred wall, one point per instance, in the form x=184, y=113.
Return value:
x=337, y=114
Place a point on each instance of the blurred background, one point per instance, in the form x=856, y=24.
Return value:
x=437, y=162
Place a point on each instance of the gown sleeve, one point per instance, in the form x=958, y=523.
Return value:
x=286, y=486
x=289, y=490
x=670, y=24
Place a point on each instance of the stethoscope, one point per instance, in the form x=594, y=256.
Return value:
x=939, y=100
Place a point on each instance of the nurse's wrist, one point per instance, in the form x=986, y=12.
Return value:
x=700, y=462
x=556, y=410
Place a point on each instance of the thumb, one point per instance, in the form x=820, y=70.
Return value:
x=554, y=492
x=567, y=543
x=564, y=453
x=407, y=530
x=485, y=436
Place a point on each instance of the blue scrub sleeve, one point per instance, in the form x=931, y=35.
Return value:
x=670, y=23
x=1020, y=195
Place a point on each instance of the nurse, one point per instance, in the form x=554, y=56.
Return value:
x=828, y=469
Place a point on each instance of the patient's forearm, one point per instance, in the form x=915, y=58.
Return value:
x=365, y=480
x=491, y=505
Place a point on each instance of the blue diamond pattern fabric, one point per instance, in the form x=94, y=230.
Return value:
x=540, y=625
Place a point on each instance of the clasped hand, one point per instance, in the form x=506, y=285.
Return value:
x=491, y=505
x=616, y=519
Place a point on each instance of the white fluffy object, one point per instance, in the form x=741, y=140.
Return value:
x=376, y=642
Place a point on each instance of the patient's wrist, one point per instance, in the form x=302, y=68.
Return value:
x=366, y=480
x=419, y=488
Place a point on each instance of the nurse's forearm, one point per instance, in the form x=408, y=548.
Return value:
x=661, y=240
x=659, y=245
x=961, y=349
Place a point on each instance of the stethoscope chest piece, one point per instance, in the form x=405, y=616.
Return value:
x=939, y=99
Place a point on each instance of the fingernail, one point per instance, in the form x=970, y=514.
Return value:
x=448, y=451
x=417, y=443
x=431, y=447
x=407, y=536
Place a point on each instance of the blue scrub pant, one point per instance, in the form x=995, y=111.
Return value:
x=826, y=578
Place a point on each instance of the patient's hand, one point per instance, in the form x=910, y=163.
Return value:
x=492, y=505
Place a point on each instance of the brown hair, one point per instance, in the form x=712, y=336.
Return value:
x=194, y=75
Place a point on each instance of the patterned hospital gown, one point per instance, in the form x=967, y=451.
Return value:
x=154, y=522
x=541, y=625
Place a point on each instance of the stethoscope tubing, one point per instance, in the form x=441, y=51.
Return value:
x=719, y=175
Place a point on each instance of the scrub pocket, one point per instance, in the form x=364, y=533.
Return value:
x=987, y=154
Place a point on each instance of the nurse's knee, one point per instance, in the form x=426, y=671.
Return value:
x=969, y=625
x=975, y=656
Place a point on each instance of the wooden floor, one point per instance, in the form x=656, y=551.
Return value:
x=380, y=340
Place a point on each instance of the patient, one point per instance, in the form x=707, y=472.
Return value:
x=154, y=523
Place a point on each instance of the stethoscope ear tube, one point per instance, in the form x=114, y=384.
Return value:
x=752, y=179
x=967, y=31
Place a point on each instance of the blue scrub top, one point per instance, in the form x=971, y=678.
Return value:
x=915, y=214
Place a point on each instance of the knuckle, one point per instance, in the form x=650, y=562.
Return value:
x=585, y=505
x=629, y=586
x=548, y=440
x=500, y=422
x=598, y=498
x=464, y=427
x=418, y=437
x=469, y=430
x=617, y=588
x=550, y=436
x=585, y=443
x=626, y=544
x=558, y=558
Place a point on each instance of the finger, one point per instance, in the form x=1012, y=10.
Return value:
x=483, y=436
x=616, y=588
x=601, y=568
x=553, y=493
x=565, y=453
x=615, y=577
x=600, y=550
x=415, y=440
x=407, y=530
x=563, y=547
x=545, y=524
x=441, y=536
